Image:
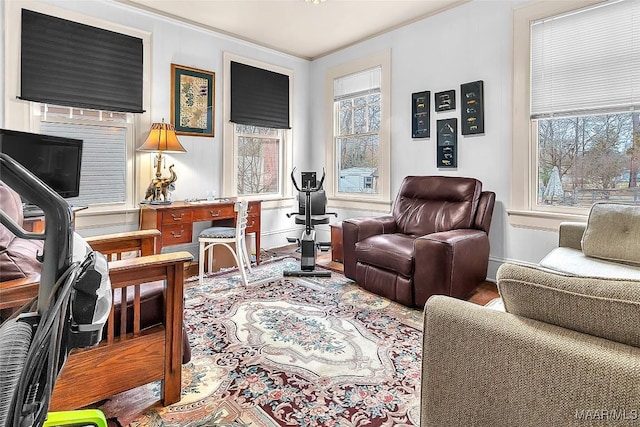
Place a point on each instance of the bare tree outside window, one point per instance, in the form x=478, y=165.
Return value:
x=595, y=157
x=259, y=154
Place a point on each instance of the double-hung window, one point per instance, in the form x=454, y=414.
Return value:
x=90, y=93
x=357, y=115
x=358, y=150
x=257, y=138
x=582, y=111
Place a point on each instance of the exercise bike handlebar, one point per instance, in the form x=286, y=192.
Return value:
x=305, y=189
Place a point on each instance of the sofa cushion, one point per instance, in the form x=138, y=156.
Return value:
x=613, y=233
x=389, y=251
x=575, y=263
x=605, y=308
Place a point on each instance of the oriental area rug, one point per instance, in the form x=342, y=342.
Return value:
x=288, y=351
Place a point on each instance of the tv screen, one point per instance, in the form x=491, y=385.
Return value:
x=56, y=161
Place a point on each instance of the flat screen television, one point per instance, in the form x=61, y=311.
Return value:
x=55, y=160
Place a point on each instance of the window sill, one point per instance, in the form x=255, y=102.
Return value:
x=541, y=220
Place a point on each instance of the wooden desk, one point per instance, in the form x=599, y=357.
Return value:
x=175, y=221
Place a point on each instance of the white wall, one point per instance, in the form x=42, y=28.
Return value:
x=468, y=43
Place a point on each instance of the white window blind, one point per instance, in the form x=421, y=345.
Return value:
x=361, y=83
x=104, y=159
x=586, y=61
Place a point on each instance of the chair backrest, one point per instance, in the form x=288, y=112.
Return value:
x=430, y=204
x=318, y=203
x=242, y=214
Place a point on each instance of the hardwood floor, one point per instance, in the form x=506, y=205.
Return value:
x=481, y=295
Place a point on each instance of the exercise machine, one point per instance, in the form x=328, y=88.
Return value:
x=74, y=299
x=308, y=245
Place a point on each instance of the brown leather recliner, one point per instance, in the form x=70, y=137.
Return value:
x=434, y=242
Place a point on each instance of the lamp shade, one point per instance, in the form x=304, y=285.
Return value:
x=162, y=137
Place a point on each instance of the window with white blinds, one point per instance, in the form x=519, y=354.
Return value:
x=103, y=176
x=586, y=61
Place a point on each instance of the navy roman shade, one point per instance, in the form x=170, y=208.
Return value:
x=72, y=64
x=259, y=97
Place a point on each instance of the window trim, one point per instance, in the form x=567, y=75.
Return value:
x=230, y=148
x=380, y=202
x=523, y=211
x=18, y=113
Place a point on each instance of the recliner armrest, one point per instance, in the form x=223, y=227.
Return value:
x=448, y=261
x=357, y=229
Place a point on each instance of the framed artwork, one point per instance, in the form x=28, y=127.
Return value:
x=420, y=120
x=472, y=114
x=447, y=143
x=192, y=95
x=445, y=100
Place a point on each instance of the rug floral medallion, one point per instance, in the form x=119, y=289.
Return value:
x=290, y=352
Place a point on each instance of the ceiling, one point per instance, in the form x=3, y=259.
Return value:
x=296, y=27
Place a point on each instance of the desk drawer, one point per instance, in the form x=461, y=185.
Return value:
x=177, y=233
x=177, y=216
x=253, y=209
x=253, y=224
x=211, y=213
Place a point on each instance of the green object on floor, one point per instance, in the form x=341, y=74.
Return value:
x=85, y=417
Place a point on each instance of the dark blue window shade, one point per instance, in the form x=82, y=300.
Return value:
x=259, y=97
x=72, y=64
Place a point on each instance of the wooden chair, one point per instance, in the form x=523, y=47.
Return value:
x=125, y=359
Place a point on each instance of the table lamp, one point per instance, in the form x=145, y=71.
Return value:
x=162, y=138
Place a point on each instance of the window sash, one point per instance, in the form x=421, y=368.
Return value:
x=586, y=61
x=104, y=177
x=264, y=135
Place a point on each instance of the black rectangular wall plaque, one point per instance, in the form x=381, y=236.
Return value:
x=420, y=105
x=445, y=100
x=472, y=114
x=447, y=148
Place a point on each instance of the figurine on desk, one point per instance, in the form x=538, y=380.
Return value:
x=159, y=187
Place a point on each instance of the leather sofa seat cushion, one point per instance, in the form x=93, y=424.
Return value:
x=389, y=251
x=613, y=233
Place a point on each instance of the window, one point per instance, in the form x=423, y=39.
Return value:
x=257, y=145
x=358, y=150
x=577, y=91
x=107, y=140
x=357, y=114
x=108, y=180
x=259, y=159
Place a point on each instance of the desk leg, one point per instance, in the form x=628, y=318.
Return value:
x=258, y=247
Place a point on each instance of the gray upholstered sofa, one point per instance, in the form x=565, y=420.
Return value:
x=567, y=350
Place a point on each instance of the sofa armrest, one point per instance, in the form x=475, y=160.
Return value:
x=505, y=370
x=570, y=235
x=114, y=245
x=438, y=261
x=357, y=229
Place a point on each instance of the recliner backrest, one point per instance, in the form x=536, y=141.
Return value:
x=430, y=204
